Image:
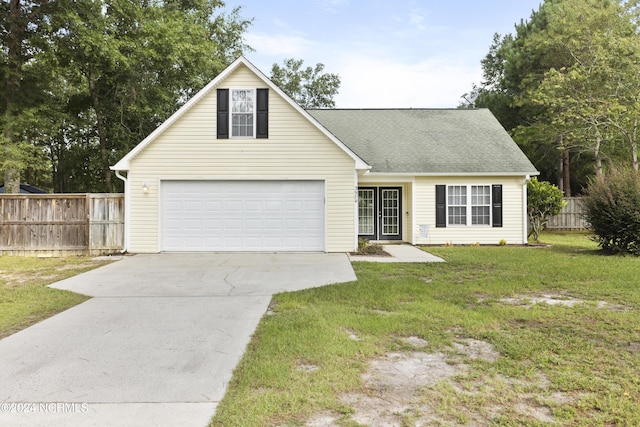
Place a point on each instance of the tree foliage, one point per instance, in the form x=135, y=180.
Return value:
x=24, y=27
x=107, y=73
x=544, y=200
x=567, y=85
x=309, y=87
x=612, y=207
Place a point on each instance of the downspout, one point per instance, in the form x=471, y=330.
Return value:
x=355, y=210
x=126, y=212
x=414, y=224
x=525, y=216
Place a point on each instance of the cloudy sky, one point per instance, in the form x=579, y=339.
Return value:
x=413, y=53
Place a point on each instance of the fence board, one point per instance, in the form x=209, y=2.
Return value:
x=106, y=233
x=571, y=217
x=61, y=224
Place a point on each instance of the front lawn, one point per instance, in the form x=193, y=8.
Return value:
x=495, y=336
x=25, y=298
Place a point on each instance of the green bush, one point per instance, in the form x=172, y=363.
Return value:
x=544, y=200
x=365, y=247
x=612, y=207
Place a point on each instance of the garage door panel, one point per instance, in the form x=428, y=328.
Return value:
x=213, y=206
x=243, y=215
x=232, y=224
x=212, y=242
x=253, y=206
x=253, y=225
x=233, y=206
x=310, y=224
x=273, y=206
x=213, y=225
x=193, y=224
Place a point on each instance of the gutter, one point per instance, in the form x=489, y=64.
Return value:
x=126, y=211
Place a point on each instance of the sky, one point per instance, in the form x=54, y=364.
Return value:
x=388, y=54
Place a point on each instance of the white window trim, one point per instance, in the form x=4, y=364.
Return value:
x=255, y=115
x=469, y=206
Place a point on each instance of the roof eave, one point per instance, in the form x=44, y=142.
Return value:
x=455, y=173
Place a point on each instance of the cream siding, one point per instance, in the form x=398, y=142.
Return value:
x=295, y=150
x=512, y=212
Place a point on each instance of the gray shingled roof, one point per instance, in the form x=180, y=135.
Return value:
x=427, y=141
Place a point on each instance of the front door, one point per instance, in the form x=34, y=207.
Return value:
x=380, y=213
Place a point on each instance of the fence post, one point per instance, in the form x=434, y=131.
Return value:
x=88, y=222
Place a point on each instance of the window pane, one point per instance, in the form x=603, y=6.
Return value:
x=365, y=212
x=480, y=195
x=457, y=195
x=242, y=125
x=480, y=215
x=242, y=101
x=457, y=215
x=242, y=107
x=457, y=202
x=480, y=205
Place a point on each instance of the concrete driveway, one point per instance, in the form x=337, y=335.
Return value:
x=157, y=344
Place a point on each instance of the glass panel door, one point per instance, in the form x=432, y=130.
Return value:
x=380, y=213
x=390, y=208
x=366, y=212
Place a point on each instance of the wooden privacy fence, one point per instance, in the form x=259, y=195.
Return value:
x=61, y=224
x=571, y=217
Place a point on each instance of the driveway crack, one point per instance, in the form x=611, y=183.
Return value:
x=226, y=280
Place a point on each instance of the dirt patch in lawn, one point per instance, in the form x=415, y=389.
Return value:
x=15, y=278
x=528, y=301
x=409, y=388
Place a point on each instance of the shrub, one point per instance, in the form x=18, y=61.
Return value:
x=365, y=247
x=612, y=207
x=544, y=200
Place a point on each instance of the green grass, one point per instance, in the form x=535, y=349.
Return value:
x=589, y=356
x=25, y=298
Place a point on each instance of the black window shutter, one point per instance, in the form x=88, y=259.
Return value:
x=222, y=118
x=441, y=206
x=262, y=110
x=496, y=205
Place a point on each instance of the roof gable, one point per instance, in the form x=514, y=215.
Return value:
x=124, y=163
x=428, y=141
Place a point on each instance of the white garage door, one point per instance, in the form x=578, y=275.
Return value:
x=243, y=216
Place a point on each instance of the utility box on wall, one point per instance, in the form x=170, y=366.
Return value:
x=423, y=230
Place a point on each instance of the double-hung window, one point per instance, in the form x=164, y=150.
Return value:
x=457, y=205
x=242, y=112
x=469, y=205
x=480, y=205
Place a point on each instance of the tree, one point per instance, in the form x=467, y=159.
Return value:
x=511, y=69
x=85, y=80
x=544, y=200
x=309, y=87
x=124, y=66
x=23, y=26
x=590, y=99
x=565, y=85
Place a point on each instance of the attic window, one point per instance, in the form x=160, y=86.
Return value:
x=247, y=113
x=242, y=112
